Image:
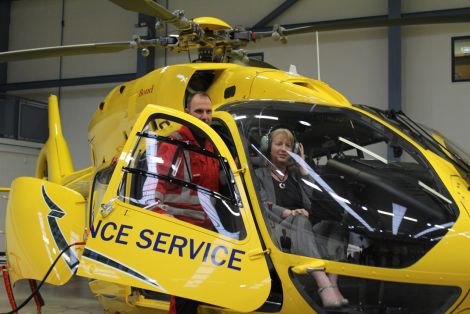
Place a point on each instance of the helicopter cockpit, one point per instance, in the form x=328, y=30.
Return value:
x=375, y=200
x=389, y=202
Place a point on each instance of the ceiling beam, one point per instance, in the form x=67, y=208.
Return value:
x=394, y=58
x=394, y=64
x=275, y=13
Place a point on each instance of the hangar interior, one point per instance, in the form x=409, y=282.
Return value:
x=407, y=68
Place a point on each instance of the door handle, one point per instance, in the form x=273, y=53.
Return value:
x=309, y=267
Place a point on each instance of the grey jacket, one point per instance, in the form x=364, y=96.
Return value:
x=268, y=193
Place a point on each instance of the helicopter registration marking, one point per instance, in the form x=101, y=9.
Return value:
x=171, y=244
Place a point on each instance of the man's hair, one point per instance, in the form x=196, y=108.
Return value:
x=191, y=96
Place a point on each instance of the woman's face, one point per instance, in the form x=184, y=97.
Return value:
x=279, y=147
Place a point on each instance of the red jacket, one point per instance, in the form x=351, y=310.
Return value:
x=188, y=166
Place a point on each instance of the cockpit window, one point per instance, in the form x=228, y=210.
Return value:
x=176, y=170
x=456, y=151
x=428, y=138
x=338, y=185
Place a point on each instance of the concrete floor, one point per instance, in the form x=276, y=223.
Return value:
x=73, y=298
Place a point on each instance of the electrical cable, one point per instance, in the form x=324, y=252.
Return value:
x=44, y=279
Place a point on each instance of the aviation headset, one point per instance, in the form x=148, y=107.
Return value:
x=266, y=141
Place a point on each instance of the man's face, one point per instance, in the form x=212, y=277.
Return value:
x=201, y=108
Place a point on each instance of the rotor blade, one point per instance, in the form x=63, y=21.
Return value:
x=262, y=34
x=260, y=64
x=461, y=15
x=59, y=51
x=379, y=21
x=152, y=8
x=239, y=56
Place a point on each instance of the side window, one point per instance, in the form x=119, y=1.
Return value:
x=100, y=185
x=176, y=170
x=221, y=129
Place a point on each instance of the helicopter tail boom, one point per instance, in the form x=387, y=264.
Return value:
x=54, y=161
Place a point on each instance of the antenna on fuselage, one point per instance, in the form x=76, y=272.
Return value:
x=318, y=55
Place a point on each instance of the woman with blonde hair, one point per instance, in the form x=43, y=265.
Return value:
x=283, y=191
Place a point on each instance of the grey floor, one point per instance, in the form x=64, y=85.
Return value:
x=73, y=298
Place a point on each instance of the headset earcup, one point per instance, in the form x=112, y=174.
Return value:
x=264, y=144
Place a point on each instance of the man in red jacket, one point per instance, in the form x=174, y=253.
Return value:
x=189, y=166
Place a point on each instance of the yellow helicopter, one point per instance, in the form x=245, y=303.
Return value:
x=389, y=198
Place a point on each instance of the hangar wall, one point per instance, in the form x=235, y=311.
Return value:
x=38, y=24
x=353, y=61
x=429, y=95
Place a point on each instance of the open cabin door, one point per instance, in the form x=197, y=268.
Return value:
x=175, y=217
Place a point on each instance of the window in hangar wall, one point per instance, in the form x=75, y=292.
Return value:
x=460, y=58
x=23, y=119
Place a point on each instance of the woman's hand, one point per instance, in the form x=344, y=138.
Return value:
x=303, y=171
x=295, y=212
x=301, y=151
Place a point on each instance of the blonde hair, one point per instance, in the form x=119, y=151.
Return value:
x=285, y=132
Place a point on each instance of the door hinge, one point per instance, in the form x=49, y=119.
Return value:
x=107, y=208
x=241, y=170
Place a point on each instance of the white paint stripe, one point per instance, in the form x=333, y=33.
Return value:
x=152, y=282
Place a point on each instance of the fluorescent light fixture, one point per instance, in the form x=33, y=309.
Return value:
x=339, y=198
x=398, y=215
x=311, y=184
x=431, y=229
x=410, y=219
x=258, y=116
x=239, y=117
x=305, y=123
